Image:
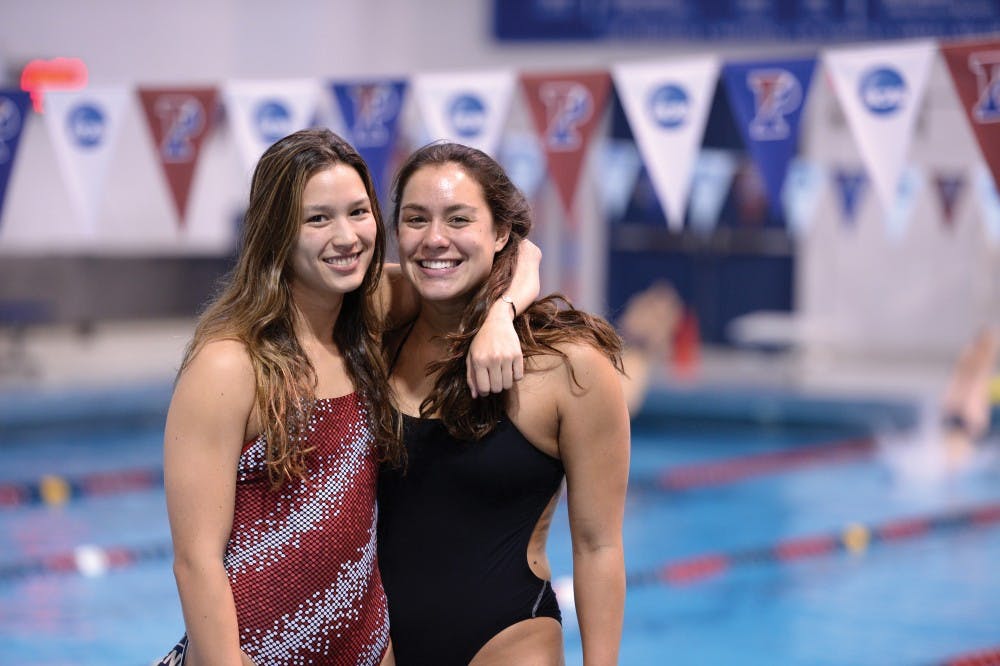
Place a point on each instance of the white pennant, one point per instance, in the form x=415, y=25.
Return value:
x=911, y=184
x=261, y=112
x=468, y=108
x=84, y=126
x=989, y=201
x=880, y=89
x=801, y=193
x=713, y=174
x=667, y=105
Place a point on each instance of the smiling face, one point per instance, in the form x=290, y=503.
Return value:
x=336, y=236
x=446, y=233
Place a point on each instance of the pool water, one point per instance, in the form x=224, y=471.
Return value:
x=918, y=600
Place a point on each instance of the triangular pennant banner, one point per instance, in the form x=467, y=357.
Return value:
x=524, y=162
x=767, y=99
x=949, y=187
x=667, y=105
x=713, y=175
x=880, y=89
x=566, y=108
x=84, y=127
x=371, y=111
x=14, y=105
x=801, y=194
x=851, y=185
x=975, y=71
x=911, y=184
x=179, y=120
x=468, y=108
x=261, y=112
x=622, y=164
x=989, y=202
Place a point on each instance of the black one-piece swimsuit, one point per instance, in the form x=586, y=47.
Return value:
x=453, y=533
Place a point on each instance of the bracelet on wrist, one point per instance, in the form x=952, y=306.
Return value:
x=508, y=300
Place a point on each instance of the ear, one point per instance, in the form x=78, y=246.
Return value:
x=503, y=236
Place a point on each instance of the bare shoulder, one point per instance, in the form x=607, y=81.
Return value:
x=580, y=366
x=224, y=359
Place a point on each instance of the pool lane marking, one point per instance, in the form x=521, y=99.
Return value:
x=91, y=560
x=986, y=657
x=854, y=538
x=731, y=470
x=54, y=490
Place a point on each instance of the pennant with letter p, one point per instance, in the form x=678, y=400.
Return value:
x=371, y=110
x=469, y=108
x=84, y=126
x=880, y=89
x=179, y=120
x=566, y=108
x=767, y=99
x=667, y=106
x=261, y=112
x=975, y=71
x=14, y=108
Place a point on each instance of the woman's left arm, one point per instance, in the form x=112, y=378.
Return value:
x=495, y=361
x=594, y=447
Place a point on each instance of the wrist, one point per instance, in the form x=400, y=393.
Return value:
x=508, y=303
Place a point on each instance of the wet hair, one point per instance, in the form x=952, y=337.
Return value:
x=255, y=305
x=548, y=322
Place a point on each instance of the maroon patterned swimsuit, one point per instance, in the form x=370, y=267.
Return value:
x=302, y=560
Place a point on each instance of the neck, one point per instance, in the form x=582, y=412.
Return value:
x=437, y=318
x=315, y=320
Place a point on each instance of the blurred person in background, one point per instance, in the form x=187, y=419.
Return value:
x=281, y=414
x=648, y=324
x=463, y=525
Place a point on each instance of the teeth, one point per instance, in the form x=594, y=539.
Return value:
x=341, y=261
x=439, y=263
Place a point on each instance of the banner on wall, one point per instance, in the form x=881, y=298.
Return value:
x=949, y=187
x=801, y=193
x=179, y=120
x=667, y=106
x=84, y=128
x=371, y=110
x=911, y=185
x=469, y=108
x=988, y=199
x=975, y=71
x=14, y=106
x=566, y=108
x=713, y=175
x=261, y=112
x=767, y=99
x=880, y=89
x=851, y=185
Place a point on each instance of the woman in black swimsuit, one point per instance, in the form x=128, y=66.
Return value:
x=462, y=526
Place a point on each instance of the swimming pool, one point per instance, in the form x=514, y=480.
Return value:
x=758, y=532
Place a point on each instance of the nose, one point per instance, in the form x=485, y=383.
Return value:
x=342, y=234
x=436, y=235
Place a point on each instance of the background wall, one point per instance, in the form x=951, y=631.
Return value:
x=863, y=292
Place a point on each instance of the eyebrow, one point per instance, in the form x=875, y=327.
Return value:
x=450, y=209
x=323, y=208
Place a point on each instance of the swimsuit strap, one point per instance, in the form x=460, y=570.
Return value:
x=402, y=343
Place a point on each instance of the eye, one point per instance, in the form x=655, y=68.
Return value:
x=414, y=220
x=459, y=220
x=318, y=218
x=359, y=212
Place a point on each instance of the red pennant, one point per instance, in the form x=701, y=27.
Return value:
x=566, y=108
x=975, y=71
x=179, y=120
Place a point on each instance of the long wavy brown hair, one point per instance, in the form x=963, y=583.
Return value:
x=255, y=306
x=549, y=321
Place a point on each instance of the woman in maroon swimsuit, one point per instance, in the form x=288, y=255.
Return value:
x=280, y=417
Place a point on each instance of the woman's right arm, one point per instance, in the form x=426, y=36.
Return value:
x=203, y=439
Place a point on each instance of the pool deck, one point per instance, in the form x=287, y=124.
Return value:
x=115, y=354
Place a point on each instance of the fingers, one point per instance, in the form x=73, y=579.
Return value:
x=470, y=378
x=495, y=377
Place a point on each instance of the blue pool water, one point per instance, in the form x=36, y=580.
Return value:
x=916, y=601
